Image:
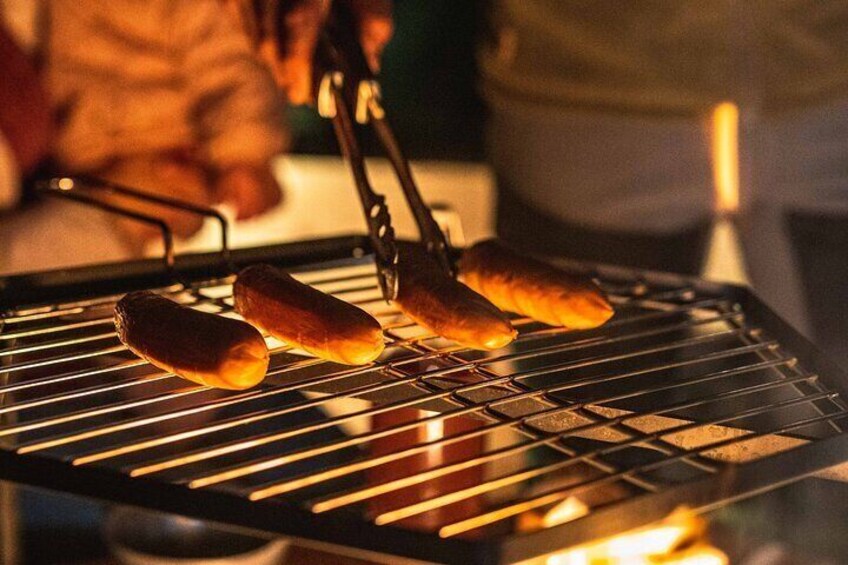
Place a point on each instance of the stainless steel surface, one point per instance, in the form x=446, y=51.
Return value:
x=681, y=389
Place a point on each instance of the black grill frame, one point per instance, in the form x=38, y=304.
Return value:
x=733, y=483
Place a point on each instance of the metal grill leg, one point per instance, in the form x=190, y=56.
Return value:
x=9, y=530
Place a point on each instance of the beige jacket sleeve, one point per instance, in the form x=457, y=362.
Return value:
x=132, y=77
x=238, y=111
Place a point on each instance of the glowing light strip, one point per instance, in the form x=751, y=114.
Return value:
x=725, y=151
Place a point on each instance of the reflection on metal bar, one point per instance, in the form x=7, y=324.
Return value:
x=545, y=499
x=467, y=366
x=54, y=380
x=427, y=505
x=63, y=359
x=48, y=330
x=56, y=344
x=363, y=494
x=52, y=313
x=420, y=377
x=81, y=393
x=21, y=428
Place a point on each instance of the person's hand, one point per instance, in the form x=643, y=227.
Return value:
x=285, y=33
x=250, y=189
x=163, y=175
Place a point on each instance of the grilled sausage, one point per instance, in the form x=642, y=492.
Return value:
x=204, y=348
x=447, y=307
x=529, y=287
x=306, y=317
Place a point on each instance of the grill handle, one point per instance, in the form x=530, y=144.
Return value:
x=77, y=189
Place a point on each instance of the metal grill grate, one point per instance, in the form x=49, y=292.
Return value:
x=669, y=400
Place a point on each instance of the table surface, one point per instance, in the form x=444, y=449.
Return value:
x=319, y=200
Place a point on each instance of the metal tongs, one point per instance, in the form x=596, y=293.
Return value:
x=348, y=93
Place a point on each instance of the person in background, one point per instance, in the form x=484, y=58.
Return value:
x=55, y=233
x=164, y=96
x=600, y=138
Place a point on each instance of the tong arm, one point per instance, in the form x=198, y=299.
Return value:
x=431, y=234
x=342, y=48
x=333, y=104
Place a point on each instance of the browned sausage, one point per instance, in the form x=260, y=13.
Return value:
x=532, y=288
x=447, y=307
x=204, y=348
x=305, y=317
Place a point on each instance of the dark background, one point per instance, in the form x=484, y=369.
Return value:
x=429, y=82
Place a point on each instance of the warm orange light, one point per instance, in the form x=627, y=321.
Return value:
x=569, y=509
x=725, y=259
x=574, y=557
x=725, y=151
x=66, y=183
x=434, y=430
x=656, y=541
x=698, y=555
x=648, y=546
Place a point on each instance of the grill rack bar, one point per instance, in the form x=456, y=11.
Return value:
x=558, y=495
x=423, y=506
x=313, y=403
x=466, y=366
x=655, y=309
x=461, y=411
x=362, y=494
x=309, y=479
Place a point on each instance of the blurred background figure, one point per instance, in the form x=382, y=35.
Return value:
x=600, y=136
x=162, y=96
x=172, y=98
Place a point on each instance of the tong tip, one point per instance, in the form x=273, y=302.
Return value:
x=387, y=277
